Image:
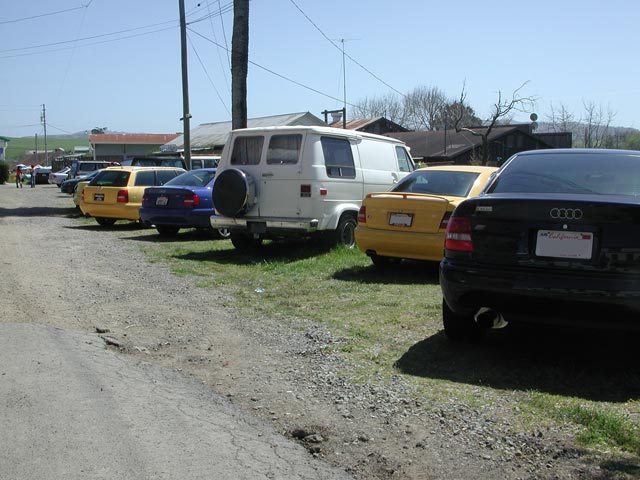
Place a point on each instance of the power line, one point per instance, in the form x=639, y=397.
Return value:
x=89, y=38
x=275, y=73
x=45, y=14
x=346, y=54
x=207, y=74
x=92, y=43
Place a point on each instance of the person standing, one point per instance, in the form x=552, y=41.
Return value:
x=33, y=176
x=19, y=177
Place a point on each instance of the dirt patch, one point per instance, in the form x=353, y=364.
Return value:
x=83, y=277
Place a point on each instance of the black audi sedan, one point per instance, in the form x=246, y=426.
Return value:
x=553, y=239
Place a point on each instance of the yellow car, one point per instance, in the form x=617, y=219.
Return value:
x=409, y=222
x=116, y=192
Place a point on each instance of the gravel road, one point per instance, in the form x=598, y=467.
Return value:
x=81, y=277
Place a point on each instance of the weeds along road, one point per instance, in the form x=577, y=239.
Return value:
x=178, y=386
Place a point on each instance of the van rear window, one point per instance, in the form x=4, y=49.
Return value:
x=338, y=158
x=284, y=149
x=247, y=150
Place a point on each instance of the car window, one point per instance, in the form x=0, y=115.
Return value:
x=284, y=149
x=247, y=150
x=601, y=173
x=438, y=182
x=194, y=178
x=405, y=164
x=165, y=176
x=338, y=157
x=145, y=178
x=111, y=178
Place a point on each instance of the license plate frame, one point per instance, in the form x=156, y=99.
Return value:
x=162, y=201
x=98, y=197
x=397, y=219
x=564, y=244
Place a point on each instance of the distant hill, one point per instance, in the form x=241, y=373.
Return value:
x=17, y=147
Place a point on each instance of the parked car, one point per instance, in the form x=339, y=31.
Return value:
x=60, y=176
x=155, y=161
x=79, y=188
x=288, y=182
x=116, y=192
x=184, y=202
x=409, y=221
x=554, y=239
x=69, y=185
x=81, y=168
x=42, y=175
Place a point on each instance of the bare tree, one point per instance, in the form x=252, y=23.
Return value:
x=503, y=108
x=596, y=124
x=560, y=119
x=425, y=107
x=239, y=63
x=388, y=106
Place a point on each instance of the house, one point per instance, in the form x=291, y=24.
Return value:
x=4, y=141
x=209, y=138
x=116, y=147
x=377, y=125
x=464, y=148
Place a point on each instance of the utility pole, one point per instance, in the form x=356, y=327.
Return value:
x=186, y=116
x=239, y=63
x=344, y=82
x=44, y=122
x=36, y=148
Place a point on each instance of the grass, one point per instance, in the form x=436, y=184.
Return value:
x=389, y=324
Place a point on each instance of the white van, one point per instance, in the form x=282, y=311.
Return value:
x=284, y=182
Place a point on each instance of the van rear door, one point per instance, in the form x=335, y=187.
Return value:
x=273, y=161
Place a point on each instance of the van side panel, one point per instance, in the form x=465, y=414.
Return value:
x=379, y=165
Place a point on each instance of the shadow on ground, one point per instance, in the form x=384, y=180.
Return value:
x=594, y=365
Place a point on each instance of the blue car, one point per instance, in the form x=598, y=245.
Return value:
x=183, y=202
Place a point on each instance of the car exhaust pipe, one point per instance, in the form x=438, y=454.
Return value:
x=488, y=318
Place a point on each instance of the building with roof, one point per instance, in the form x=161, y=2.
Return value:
x=116, y=147
x=4, y=141
x=464, y=148
x=377, y=125
x=211, y=137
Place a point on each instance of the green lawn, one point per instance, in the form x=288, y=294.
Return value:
x=18, y=146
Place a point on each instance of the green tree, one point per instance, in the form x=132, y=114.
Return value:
x=633, y=142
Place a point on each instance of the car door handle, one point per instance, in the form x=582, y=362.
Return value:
x=267, y=174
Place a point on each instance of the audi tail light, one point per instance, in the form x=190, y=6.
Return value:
x=362, y=214
x=192, y=200
x=123, y=196
x=458, y=235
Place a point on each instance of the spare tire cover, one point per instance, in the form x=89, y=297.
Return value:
x=233, y=192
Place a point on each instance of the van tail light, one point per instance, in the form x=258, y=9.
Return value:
x=445, y=220
x=458, y=235
x=192, y=200
x=305, y=191
x=362, y=214
x=123, y=196
x=323, y=192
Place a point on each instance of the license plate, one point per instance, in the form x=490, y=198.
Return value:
x=162, y=201
x=561, y=244
x=98, y=197
x=401, y=219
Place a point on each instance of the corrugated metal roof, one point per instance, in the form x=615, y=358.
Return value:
x=356, y=124
x=209, y=135
x=132, y=138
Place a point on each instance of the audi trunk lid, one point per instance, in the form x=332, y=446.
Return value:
x=557, y=231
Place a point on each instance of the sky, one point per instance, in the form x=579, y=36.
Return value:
x=117, y=64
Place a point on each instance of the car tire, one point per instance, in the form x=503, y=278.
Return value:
x=167, y=230
x=245, y=243
x=344, y=233
x=460, y=328
x=105, y=222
